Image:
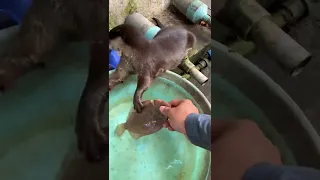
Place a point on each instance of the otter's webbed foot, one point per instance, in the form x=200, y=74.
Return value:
x=93, y=142
x=137, y=105
x=92, y=137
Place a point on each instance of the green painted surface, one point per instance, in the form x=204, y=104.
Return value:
x=130, y=8
x=112, y=22
x=163, y=155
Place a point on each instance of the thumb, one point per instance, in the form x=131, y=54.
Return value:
x=164, y=110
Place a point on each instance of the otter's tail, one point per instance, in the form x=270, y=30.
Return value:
x=116, y=31
x=158, y=23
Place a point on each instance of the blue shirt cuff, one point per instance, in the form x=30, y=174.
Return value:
x=198, y=130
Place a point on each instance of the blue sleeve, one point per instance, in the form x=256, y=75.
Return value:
x=265, y=171
x=198, y=130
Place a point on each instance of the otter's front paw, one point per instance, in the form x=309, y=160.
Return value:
x=92, y=142
x=137, y=105
x=113, y=83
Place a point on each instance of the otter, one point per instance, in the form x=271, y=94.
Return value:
x=147, y=58
x=47, y=24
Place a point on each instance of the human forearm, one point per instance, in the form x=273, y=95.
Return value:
x=198, y=130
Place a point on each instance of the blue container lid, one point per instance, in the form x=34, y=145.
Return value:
x=114, y=59
x=209, y=53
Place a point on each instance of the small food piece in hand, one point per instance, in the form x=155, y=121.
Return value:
x=149, y=121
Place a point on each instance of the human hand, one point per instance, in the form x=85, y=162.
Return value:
x=240, y=141
x=177, y=114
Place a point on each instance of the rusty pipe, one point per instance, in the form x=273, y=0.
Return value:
x=279, y=45
x=254, y=22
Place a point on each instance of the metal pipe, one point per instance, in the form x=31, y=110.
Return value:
x=290, y=11
x=189, y=68
x=255, y=24
x=289, y=54
x=202, y=63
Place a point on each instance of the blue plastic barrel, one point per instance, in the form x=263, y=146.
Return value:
x=114, y=59
x=12, y=12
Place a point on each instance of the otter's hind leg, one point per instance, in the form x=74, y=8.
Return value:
x=144, y=81
x=91, y=133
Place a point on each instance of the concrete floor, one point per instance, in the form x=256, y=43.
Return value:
x=304, y=89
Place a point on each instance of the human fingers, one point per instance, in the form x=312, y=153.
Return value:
x=168, y=126
x=176, y=102
x=161, y=103
x=165, y=125
x=164, y=110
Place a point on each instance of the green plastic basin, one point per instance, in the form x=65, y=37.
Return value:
x=163, y=155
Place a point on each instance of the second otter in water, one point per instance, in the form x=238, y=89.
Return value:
x=147, y=58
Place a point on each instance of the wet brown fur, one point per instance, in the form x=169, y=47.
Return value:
x=147, y=59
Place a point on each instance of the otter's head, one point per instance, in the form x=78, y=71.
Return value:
x=124, y=39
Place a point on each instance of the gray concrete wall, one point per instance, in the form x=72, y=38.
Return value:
x=119, y=9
